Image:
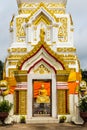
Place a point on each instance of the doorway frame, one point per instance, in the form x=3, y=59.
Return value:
x=44, y=81
x=30, y=79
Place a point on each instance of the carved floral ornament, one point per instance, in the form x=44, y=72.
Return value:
x=42, y=69
x=35, y=5
x=62, y=30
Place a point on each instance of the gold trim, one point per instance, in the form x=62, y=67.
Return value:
x=35, y=49
x=63, y=29
x=14, y=57
x=20, y=102
x=63, y=72
x=61, y=97
x=12, y=63
x=42, y=18
x=20, y=33
x=70, y=49
x=12, y=20
x=45, y=8
x=11, y=72
x=17, y=50
x=35, y=5
x=71, y=21
x=20, y=75
x=42, y=69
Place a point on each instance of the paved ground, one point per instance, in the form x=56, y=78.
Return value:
x=60, y=126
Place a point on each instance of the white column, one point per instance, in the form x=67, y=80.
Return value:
x=29, y=96
x=54, y=34
x=29, y=31
x=54, y=102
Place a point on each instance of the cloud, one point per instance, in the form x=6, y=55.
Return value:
x=78, y=10
x=7, y=9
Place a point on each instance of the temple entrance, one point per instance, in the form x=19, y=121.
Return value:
x=35, y=104
x=42, y=103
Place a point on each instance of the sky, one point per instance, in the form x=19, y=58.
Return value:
x=78, y=10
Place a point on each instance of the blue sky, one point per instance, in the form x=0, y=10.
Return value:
x=78, y=10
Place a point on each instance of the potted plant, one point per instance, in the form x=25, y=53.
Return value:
x=83, y=107
x=22, y=119
x=5, y=107
x=62, y=119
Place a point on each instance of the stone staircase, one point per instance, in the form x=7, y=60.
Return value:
x=40, y=120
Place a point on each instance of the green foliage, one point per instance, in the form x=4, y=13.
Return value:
x=62, y=119
x=84, y=75
x=1, y=70
x=22, y=119
x=5, y=106
x=83, y=104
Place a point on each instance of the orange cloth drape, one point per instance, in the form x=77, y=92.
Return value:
x=37, y=86
x=72, y=84
x=11, y=90
x=73, y=87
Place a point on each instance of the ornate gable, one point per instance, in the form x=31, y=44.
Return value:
x=41, y=54
x=41, y=11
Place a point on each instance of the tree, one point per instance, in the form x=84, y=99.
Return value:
x=1, y=69
x=84, y=75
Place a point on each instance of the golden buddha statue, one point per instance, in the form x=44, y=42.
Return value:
x=42, y=96
x=42, y=34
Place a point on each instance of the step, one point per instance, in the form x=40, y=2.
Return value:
x=39, y=120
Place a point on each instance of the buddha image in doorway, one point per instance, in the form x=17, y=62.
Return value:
x=42, y=95
x=42, y=105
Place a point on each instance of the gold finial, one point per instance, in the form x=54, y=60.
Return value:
x=11, y=23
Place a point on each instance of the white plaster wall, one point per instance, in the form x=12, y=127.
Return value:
x=73, y=101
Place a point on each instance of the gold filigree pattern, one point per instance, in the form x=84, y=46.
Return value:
x=70, y=49
x=17, y=50
x=71, y=62
x=62, y=103
x=15, y=57
x=20, y=33
x=68, y=57
x=42, y=70
x=20, y=102
x=23, y=102
x=27, y=5
x=57, y=11
x=55, y=5
x=52, y=11
x=21, y=11
x=62, y=31
x=41, y=5
x=43, y=18
x=35, y=5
